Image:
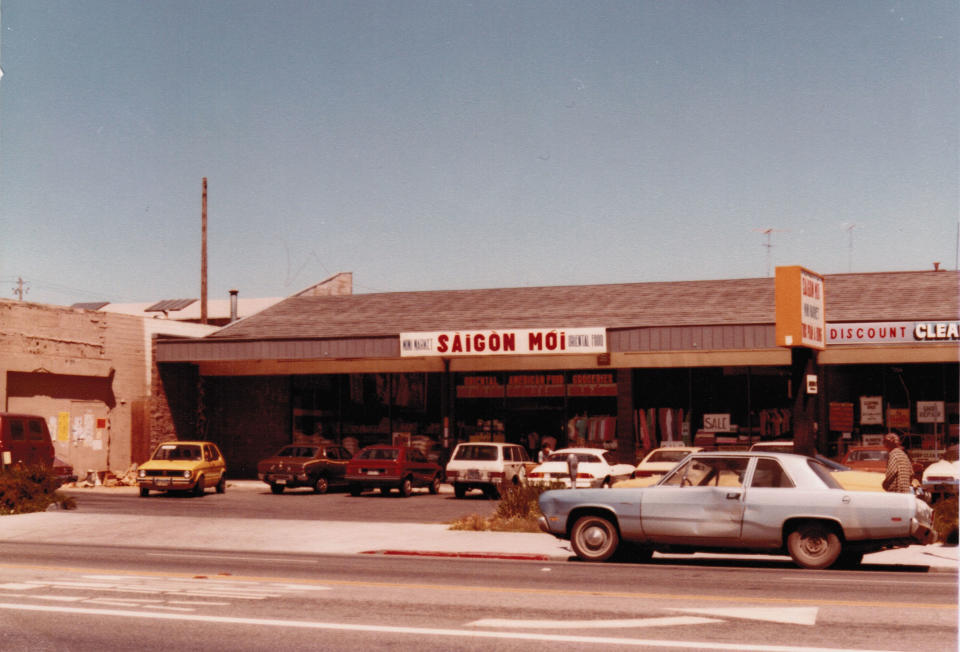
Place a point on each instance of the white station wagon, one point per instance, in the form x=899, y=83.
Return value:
x=487, y=466
x=744, y=501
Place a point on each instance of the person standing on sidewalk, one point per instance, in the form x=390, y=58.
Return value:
x=899, y=469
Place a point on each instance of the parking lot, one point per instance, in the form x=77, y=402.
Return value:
x=252, y=499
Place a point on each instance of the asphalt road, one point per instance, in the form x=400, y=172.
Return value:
x=254, y=502
x=70, y=597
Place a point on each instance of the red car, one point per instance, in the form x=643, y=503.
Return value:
x=872, y=458
x=392, y=467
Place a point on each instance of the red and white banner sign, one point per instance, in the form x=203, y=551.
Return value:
x=519, y=341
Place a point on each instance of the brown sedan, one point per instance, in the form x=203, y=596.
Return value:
x=304, y=465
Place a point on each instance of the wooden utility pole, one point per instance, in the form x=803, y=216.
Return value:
x=203, y=259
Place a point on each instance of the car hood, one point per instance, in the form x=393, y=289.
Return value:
x=285, y=460
x=172, y=465
x=859, y=480
x=942, y=468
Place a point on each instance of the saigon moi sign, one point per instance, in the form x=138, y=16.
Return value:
x=898, y=332
x=799, y=302
x=516, y=341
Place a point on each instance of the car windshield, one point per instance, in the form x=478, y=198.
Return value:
x=298, y=451
x=378, y=454
x=582, y=458
x=667, y=455
x=476, y=453
x=177, y=452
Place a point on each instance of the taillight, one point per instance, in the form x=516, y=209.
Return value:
x=534, y=475
x=497, y=474
x=584, y=476
x=452, y=475
x=642, y=474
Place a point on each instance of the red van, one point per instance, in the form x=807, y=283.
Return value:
x=25, y=439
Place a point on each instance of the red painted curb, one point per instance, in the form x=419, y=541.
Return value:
x=460, y=555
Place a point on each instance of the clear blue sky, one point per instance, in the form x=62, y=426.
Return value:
x=448, y=144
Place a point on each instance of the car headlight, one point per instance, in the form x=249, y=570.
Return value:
x=142, y=473
x=187, y=474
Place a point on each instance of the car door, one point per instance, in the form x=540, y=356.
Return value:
x=419, y=466
x=700, y=502
x=337, y=463
x=511, y=463
x=213, y=464
x=771, y=498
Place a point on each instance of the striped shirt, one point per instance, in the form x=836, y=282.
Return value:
x=899, y=472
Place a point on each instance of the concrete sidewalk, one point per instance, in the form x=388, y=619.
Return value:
x=345, y=537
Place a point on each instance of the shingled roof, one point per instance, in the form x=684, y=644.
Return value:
x=885, y=296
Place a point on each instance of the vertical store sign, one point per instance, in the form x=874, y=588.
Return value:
x=800, y=308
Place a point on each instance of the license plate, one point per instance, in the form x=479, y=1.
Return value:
x=163, y=482
x=473, y=474
x=281, y=481
x=373, y=471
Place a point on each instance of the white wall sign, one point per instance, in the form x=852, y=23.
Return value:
x=930, y=411
x=716, y=422
x=871, y=410
x=516, y=341
x=892, y=332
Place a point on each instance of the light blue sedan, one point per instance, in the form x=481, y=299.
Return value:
x=770, y=503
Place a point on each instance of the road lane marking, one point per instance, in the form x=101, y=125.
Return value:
x=825, y=580
x=574, y=593
x=430, y=631
x=789, y=615
x=622, y=623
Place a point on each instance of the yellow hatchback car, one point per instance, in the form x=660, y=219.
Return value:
x=183, y=466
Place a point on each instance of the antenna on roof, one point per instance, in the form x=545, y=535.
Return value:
x=850, y=228
x=768, y=232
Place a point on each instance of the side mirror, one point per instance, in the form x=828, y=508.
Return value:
x=572, y=463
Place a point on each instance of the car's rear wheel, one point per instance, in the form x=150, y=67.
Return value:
x=276, y=488
x=492, y=491
x=355, y=490
x=435, y=484
x=144, y=492
x=222, y=485
x=406, y=487
x=322, y=485
x=200, y=488
x=814, y=545
x=459, y=490
x=594, y=538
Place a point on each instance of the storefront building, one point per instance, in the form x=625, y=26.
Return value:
x=624, y=367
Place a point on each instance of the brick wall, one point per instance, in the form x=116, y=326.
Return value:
x=81, y=370
x=249, y=417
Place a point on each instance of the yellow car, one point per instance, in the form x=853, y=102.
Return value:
x=859, y=480
x=183, y=466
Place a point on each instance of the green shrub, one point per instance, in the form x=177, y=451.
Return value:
x=30, y=489
x=945, y=519
x=517, y=511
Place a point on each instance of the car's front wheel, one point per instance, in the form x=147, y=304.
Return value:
x=144, y=492
x=406, y=487
x=200, y=487
x=322, y=485
x=814, y=545
x=222, y=485
x=594, y=538
x=276, y=488
x=435, y=484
